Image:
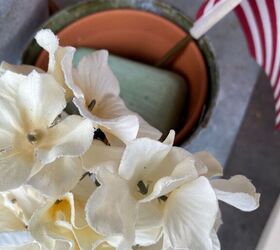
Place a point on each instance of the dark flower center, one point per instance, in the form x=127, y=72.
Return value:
x=33, y=137
x=143, y=189
x=91, y=105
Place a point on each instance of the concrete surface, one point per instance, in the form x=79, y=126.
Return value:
x=255, y=154
x=18, y=22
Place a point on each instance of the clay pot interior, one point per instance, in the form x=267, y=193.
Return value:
x=144, y=37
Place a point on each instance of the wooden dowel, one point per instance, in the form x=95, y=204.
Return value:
x=173, y=52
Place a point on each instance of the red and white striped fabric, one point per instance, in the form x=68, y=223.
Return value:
x=260, y=20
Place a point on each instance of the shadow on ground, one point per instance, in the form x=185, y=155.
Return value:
x=256, y=154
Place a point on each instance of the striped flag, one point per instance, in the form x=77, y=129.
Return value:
x=260, y=20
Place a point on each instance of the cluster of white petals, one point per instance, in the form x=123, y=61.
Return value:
x=33, y=138
x=95, y=91
x=170, y=197
x=97, y=177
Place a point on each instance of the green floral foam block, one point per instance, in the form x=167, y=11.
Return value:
x=159, y=96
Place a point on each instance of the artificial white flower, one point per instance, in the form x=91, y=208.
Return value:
x=62, y=221
x=30, y=134
x=164, y=191
x=30, y=220
x=159, y=189
x=96, y=91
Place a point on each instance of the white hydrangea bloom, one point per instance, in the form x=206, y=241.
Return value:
x=159, y=189
x=166, y=193
x=31, y=137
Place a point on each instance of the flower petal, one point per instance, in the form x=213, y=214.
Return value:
x=124, y=127
x=41, y=100
x=58, y=177
x=184, y=172
x=70, y=75
x=82, y=192
x=215, y=240
x=157, y=246
x=48, y=41
x=104, y=245
x=96, y=79
x=28, y=246
x=148, y=237
x=9, y=221
x=149, y=224
x=142, y=156
x=214, y=168
x=23, y=202
x=174, y=158
x=110, y=243
x=101, y=155
x=63, y=244
x=63, y=59
x=10, y=82
x=111, y=107
x=238, y=191
x=78, y=238
x=15, y=169
x=45, y=223
x=69, y=241
x=106, y=205
x=10, y=240
x=63, y=54
x=147, y=130
x=6, y=140
x=149, y=215
x=218, y=221
x=177, y=155
x=71, y=137
x=84, y=189
x=190, y=214
x=86, y=237
x=169, y=140
x=10, y=121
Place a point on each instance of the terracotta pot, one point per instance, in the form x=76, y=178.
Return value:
x=142, y=31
